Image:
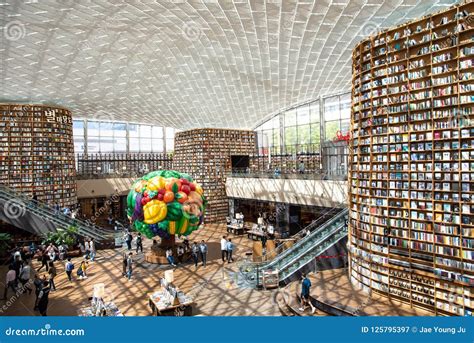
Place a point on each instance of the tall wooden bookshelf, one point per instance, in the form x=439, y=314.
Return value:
x=37, y=152
x=411, y=164
x=205, y=154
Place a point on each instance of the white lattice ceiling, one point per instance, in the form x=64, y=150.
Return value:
x=186, y=63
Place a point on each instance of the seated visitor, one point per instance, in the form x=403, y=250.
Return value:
x=169, y=257
x=180, y=253
x=186, y=245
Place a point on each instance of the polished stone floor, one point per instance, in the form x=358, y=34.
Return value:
x=213, y=287
x=334, y=285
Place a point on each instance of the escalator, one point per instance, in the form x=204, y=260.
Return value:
x=285, y=265
x=37, y=217
x=323, y=218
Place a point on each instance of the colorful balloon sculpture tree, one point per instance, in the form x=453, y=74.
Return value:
x=165, y=203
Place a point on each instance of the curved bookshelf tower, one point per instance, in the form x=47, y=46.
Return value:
x=411, y=177
x=37, y=152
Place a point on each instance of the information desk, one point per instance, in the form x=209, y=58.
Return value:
x=160, y=306
x=236, y=229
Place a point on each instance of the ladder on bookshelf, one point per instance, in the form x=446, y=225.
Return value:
x=37, y=217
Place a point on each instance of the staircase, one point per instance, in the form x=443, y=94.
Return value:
x=39, y=218
x=302, y=253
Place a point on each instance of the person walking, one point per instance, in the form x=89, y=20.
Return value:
x=82, y=248
x=203, y=251
x=128, y=240
x=10, y=281
x=82, y=270
x=139, y=243
x=52, y=274
x=224, y=249
x=305, y=290
x=38, y=282
x=62, y=252
x=69, y=267
x=87, y=246
x=129, y=266
x=230, y=249
x=25, y=275
x=124, y=264
x=92, y=249
x=44, y=260
x=264, y=240
x=301, y=167
x=43, y=298
x=17, y=264
x=169, y=257
x=195, y=250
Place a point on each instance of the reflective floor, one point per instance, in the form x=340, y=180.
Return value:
x=213, y=287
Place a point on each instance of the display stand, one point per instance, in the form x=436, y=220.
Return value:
x=169, y=301
x=270, y=279
x=237, y=229
x=101, y=306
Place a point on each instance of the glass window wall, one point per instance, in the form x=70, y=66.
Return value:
x=299, y=129
x=116, y=137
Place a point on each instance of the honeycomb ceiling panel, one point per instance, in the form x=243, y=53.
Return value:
x=187, y=64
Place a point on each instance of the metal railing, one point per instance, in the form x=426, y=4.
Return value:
x=270, y=255
x=309, y=247
x=117, y=165
x=58, y=218
x=320, y=175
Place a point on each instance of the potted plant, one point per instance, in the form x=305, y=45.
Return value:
x=65, y=237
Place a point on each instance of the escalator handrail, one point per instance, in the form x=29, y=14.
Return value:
x=281, y=248
x=268, y=265
x=309, y=237
x=46, y=208
x=304, y=252
x=42, y=209
x=82, y=230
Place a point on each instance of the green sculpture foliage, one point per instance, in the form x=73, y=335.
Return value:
x=164, y=203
